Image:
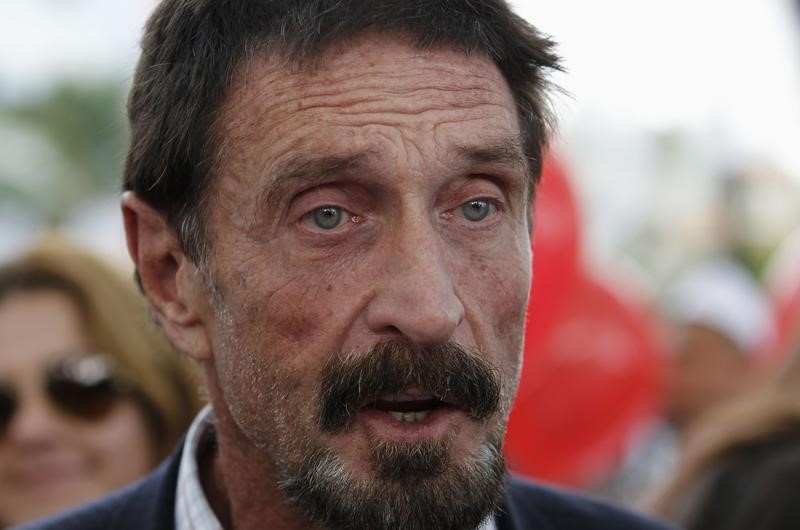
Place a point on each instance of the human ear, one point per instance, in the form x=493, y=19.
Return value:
x=169, y=279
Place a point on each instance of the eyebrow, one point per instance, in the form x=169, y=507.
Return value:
x=507, y=150
x=301, y=170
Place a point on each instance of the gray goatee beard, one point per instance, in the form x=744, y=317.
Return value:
x=413, y=486
x=451, y=497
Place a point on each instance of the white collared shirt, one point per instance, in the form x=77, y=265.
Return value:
x=192, y=511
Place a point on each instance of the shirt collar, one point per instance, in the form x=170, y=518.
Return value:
x=192, y=511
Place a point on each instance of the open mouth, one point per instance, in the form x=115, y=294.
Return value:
x=409, y=408
x=400, y=386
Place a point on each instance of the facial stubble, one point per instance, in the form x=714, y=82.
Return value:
x=414, y=486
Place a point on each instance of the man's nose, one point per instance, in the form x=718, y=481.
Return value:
x=416, y=296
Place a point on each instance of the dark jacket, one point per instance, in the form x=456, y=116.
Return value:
x=150, y=505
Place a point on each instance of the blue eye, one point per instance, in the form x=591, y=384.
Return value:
x=476, y=210
x=327, y=217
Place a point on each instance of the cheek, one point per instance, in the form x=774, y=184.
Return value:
x=498, y=287
x=281, y=327
x=298, y=313
x=294, y=303
x=121, y=444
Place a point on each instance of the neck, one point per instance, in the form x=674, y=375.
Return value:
x=239, y=480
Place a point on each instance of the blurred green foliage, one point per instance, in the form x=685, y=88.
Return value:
x=83, y=127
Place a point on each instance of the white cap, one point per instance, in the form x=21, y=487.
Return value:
x=723, y=295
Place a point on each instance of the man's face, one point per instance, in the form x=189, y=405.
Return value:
x=379, y=199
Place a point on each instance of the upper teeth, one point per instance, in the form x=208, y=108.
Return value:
x=410, y=416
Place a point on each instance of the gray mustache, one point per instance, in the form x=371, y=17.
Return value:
x=448, y=371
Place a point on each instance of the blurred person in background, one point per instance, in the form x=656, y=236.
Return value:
x=741, y=465
x=91, y=395
x=741, y=469
x=719, y=317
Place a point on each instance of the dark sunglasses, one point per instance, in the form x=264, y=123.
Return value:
x=84, y=386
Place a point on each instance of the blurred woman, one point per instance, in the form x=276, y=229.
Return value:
x=91, y=395
x=742, y=468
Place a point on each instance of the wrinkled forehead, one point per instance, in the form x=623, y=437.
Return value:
x=361, y=66
x=373, y=82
